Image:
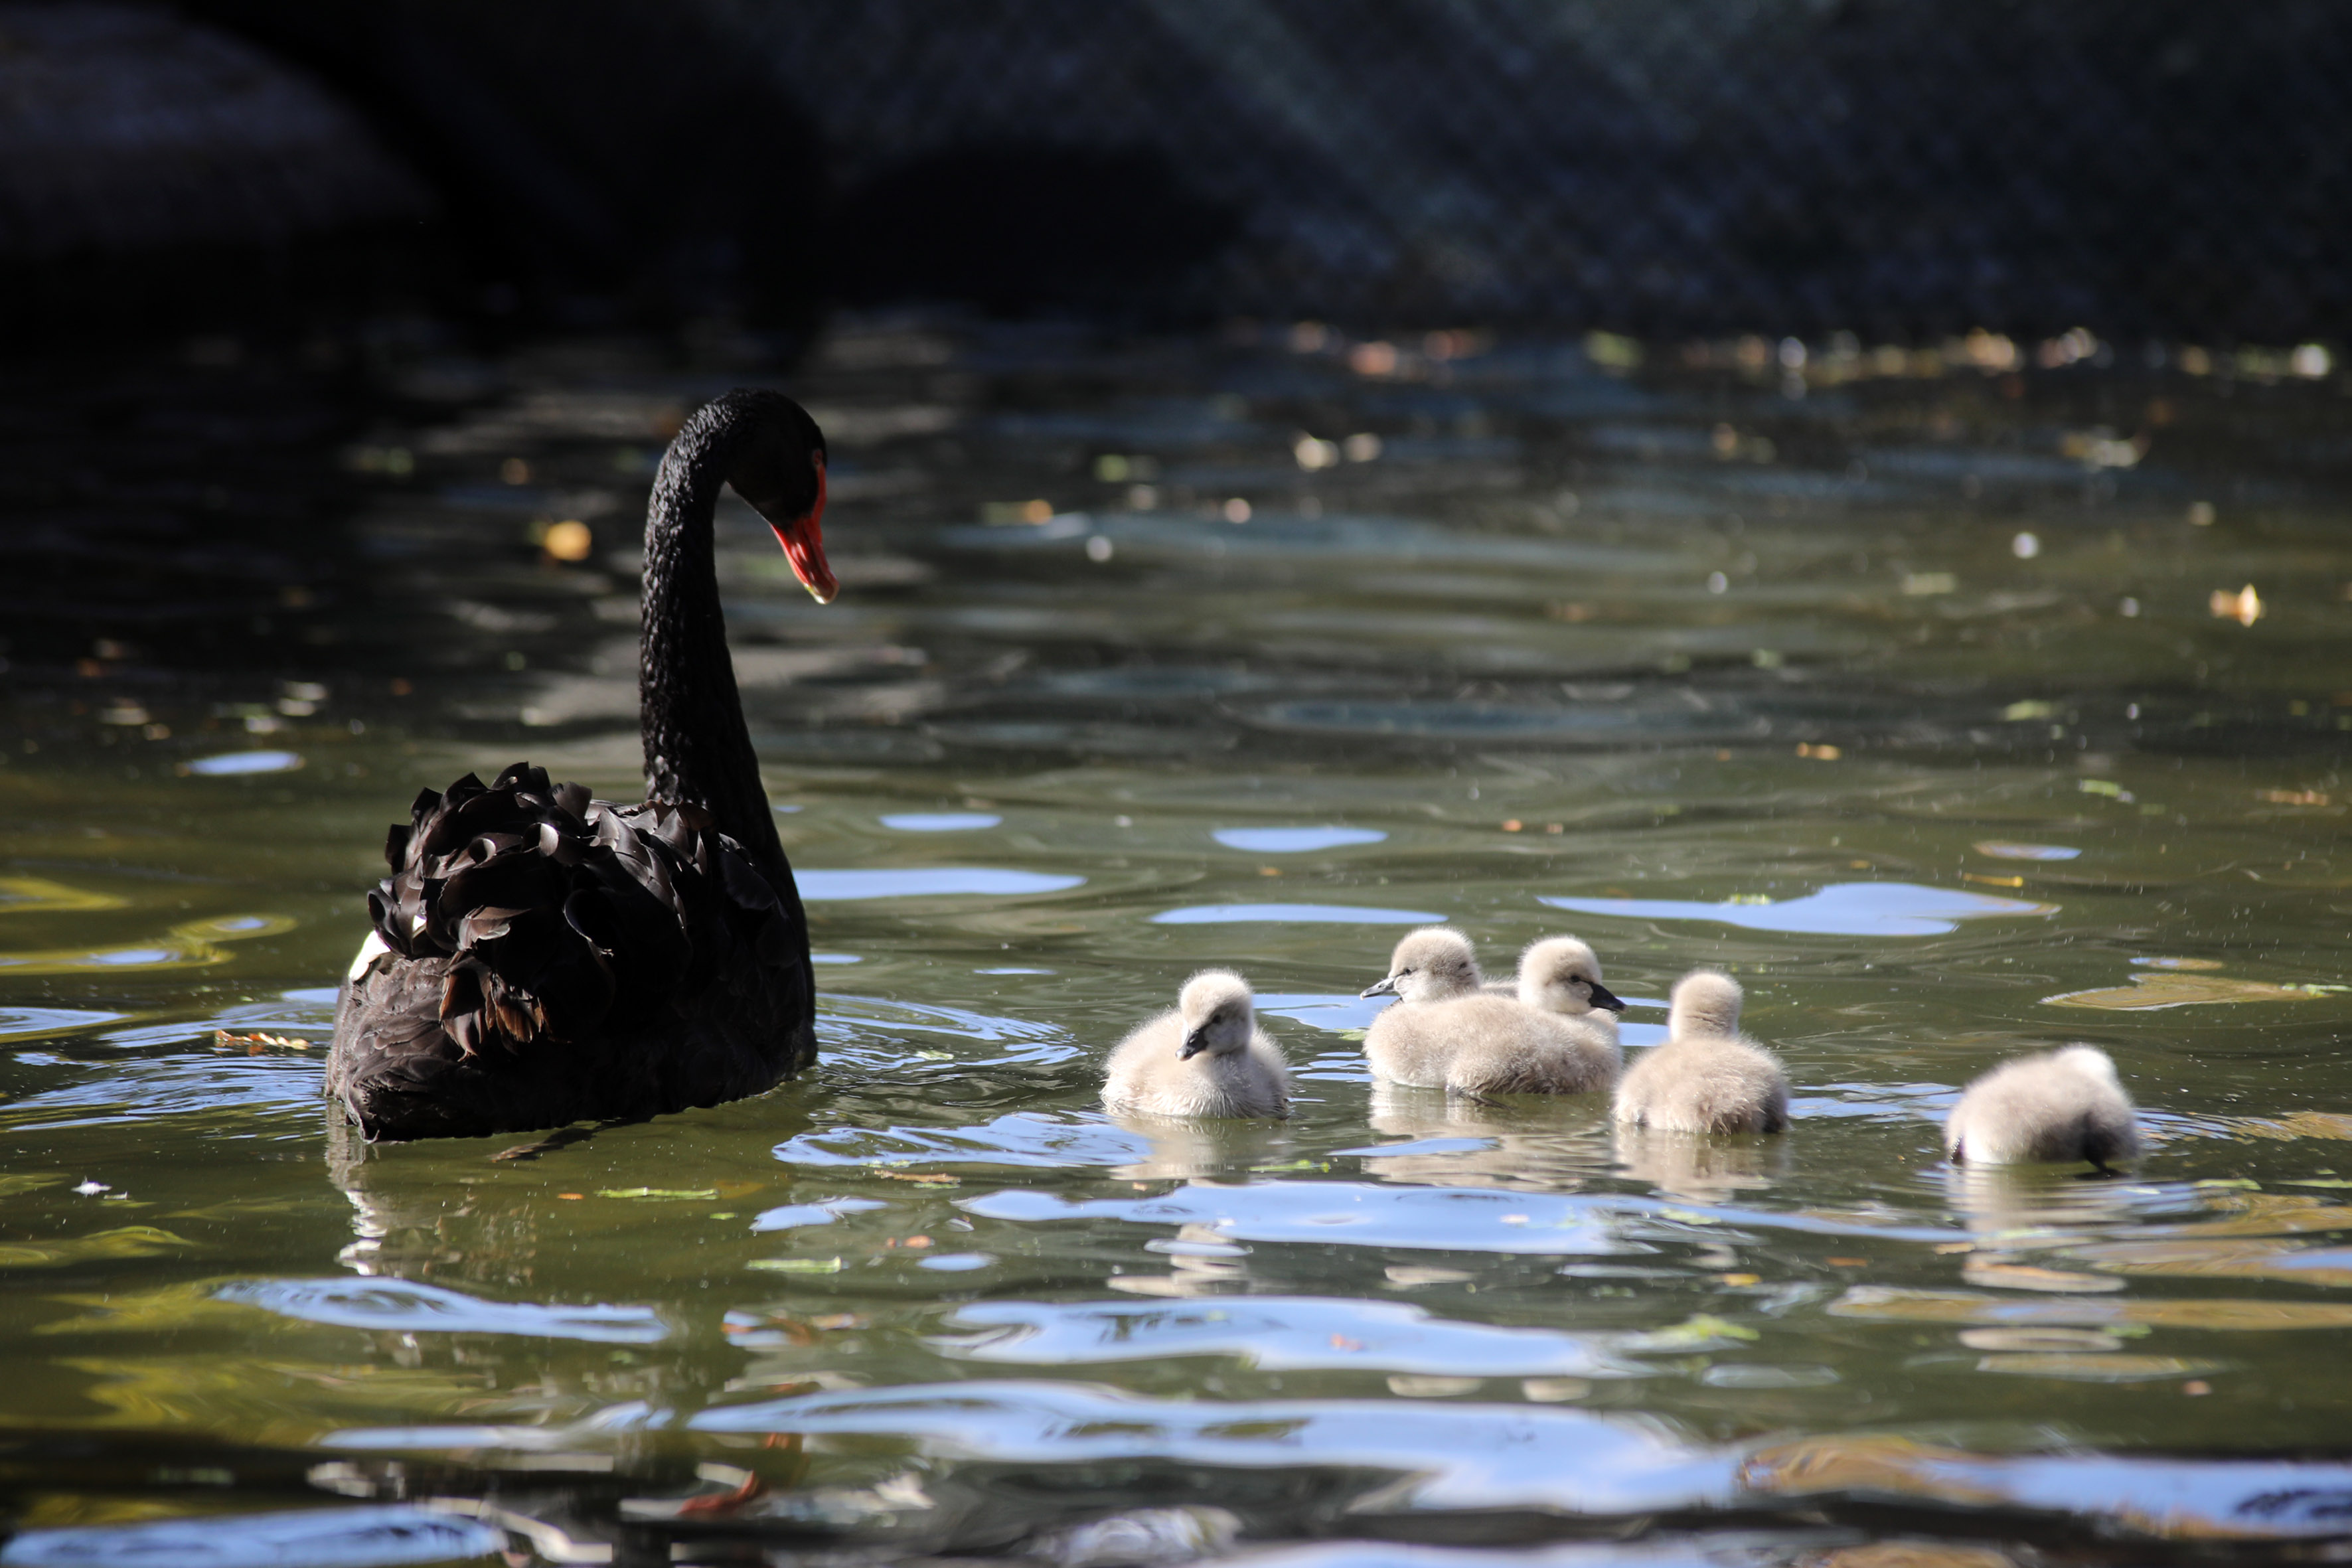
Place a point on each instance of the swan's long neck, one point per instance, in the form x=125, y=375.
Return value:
x=698, y=748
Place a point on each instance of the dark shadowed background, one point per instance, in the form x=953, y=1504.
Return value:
x=1892, y=167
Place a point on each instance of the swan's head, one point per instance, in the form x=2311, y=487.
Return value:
x=1704, y=1002
x=1219, y=1017
x=1560, y=975
x=779, y=468
x=1430, y=964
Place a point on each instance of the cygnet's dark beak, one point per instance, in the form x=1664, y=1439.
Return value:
x=1603, y=997
x=1386, y=986
x=1194, y=1046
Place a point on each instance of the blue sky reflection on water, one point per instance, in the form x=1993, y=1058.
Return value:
x=1293, y=914
x=1294, y=840
x=1842, y=909
x=928, y=882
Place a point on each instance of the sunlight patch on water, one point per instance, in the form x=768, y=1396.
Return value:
x=404, y=1305
x=927, y=882
x=1294, y=840
x=941, y=821
x=1842, y=908
x=1305, y=914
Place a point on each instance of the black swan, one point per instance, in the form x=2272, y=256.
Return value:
x=540, y=957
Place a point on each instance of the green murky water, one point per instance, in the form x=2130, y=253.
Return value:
x=1933, y=706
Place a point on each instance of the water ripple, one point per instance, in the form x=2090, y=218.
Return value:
x=404, y=1305
x=1274, y=1333
x=1023, y=1138
x=1459, y=1455
x=374, y=1537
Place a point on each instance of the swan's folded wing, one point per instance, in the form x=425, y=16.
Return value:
x=563, y=918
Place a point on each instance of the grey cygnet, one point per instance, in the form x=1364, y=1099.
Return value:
x=1206, y=1056
x=1448, y=1033
x=1707, y=1077
x=2062, y=1105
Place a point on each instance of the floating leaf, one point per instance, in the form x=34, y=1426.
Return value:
x=1698, y=1332
x=1894, y=1304
x=798, y=1265
x=2041, y=1340
x=2223, y=1258
x=2294, y=1124
x=2173, y=989
x=2258, y=1213
x=2094, y=1368
x=2025, y=1277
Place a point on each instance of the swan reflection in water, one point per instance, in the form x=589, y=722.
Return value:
x=1540, y=1144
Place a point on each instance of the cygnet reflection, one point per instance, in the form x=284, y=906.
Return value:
x=2031, y=1207
x=1183, y=1151
x=1701, y=1169
x=1529, y=1146
x=1447, y=1031
x=2023, y=1219
x=1202, y=1261
x=1204, y=1057
x=2060, y=1107
x=1707, y=1077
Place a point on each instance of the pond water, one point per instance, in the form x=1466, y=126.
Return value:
x=1958, y=713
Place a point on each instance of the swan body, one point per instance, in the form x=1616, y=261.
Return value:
x=2059, y=1106
x=1707, y=1077
x=540, y=957
x=1204, y=1057
x=1448, y=1031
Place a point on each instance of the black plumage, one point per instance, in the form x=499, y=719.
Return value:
x=549, y=957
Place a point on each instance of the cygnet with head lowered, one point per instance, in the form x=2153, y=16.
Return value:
x=2059, y=1106
x=1206, y=1056
x=1707, y=1077
x=1448, y=1033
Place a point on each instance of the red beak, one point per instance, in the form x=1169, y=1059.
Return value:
x=803, y=541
